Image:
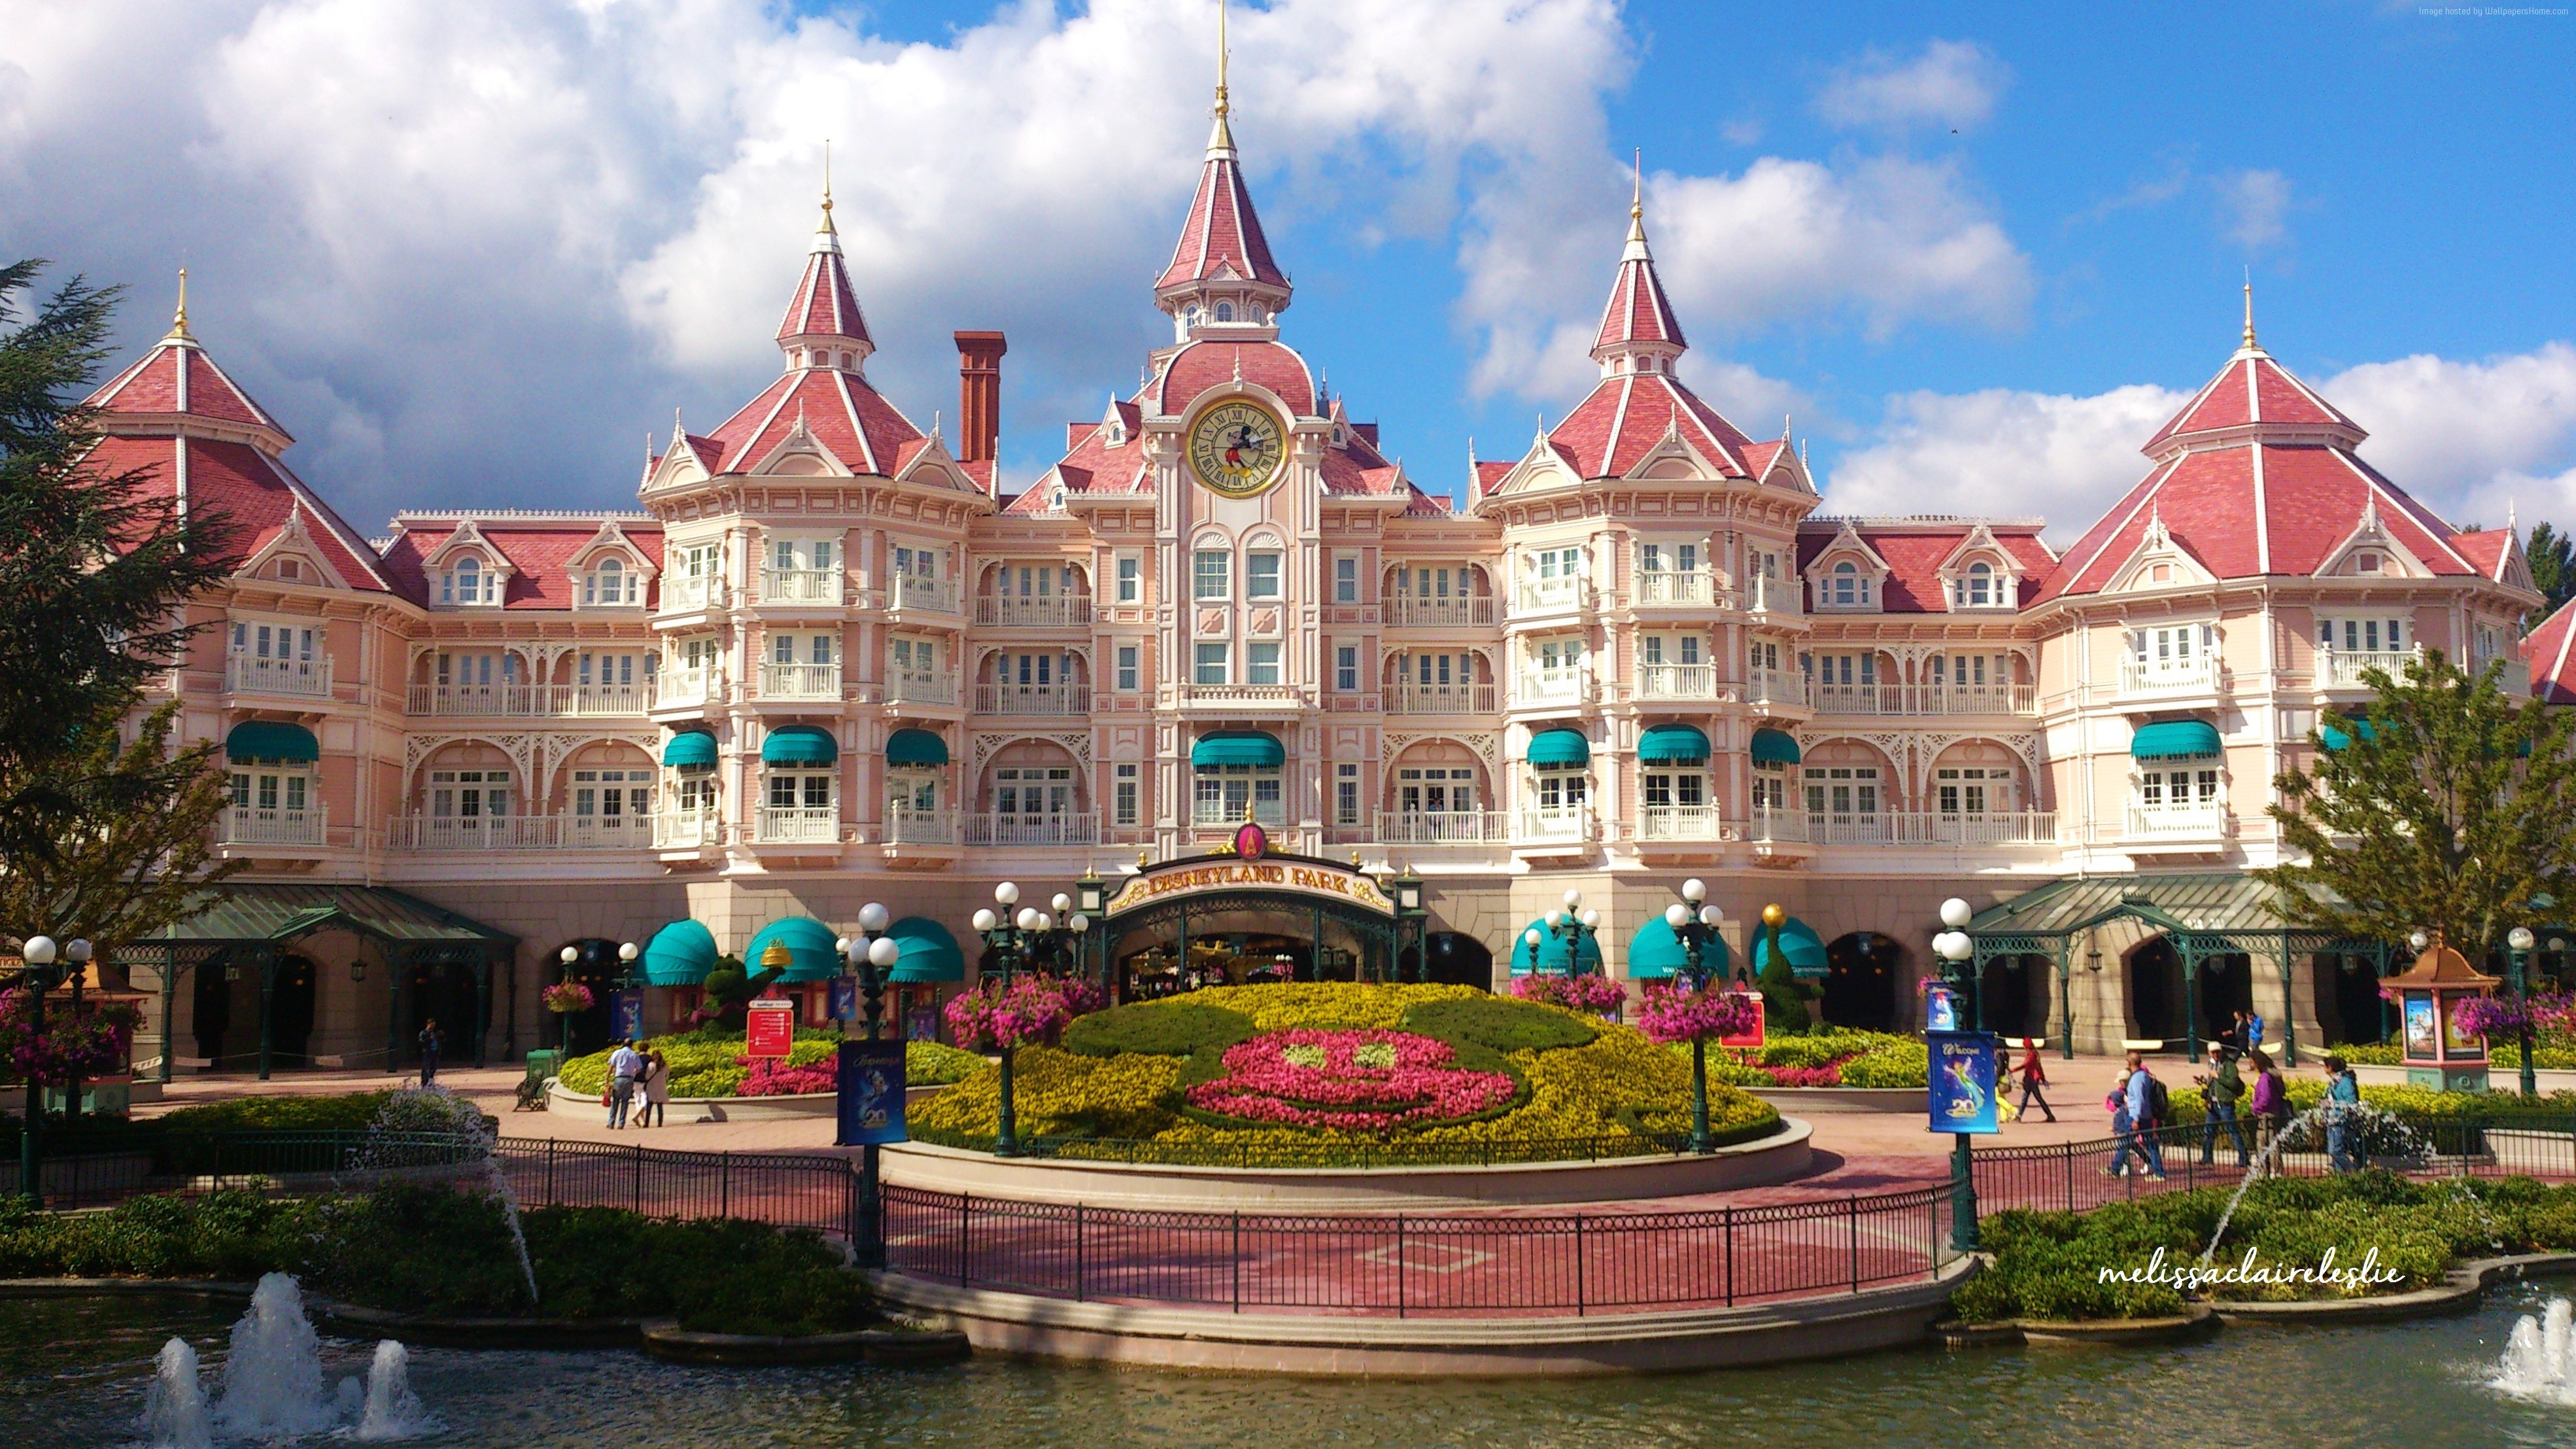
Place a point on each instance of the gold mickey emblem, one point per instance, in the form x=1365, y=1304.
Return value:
x=1237, y=449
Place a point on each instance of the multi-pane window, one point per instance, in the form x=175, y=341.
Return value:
x=1122, y=794
x=1037, y=670
x=1675, y=789
x=1845, y=669
x=912, y=792
x=913, y=656
x=1770, y=785
x=1438, y=670
x=1972, y=790
x=270, y=785
x=1434, y=583
x=792, y=790
x=469, y=794
x=2171, y=648
x=1556, y=655
x=701, y=652
x=1655, y=558
x=1764, y=654
x=2384, y=634
x=1346, y=580
x=477, y=671
x=1346, y=668
x=1671, y=649
x=1437, y=790
x=1220, y=793
x=1842, y=789
x=1211, y=574
x=283, y=648
x=1212, y=664
x=1560, y=563
x=1131, y=578
x=467, y=582
x=2178, y=786
x=1979, y=588
x=1346, y=794
x=1970, y=671
x=1261, y=664
x=1846, y=587
x=1033, y=791
x=794, y=554
x=1562, y=787
x=1261, y=576
x=918, y=564
x=1129, y=667
x=610, y=796
x=800, y=648
x=611, y=584
x=696, y=791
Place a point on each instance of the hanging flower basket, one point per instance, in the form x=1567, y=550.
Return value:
x=566, y=997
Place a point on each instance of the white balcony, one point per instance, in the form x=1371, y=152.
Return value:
x=1542, y=687
x=559, y=701
x=2196, y=675
x=1775, y=687
x=1660, y=589
x=1999, y=827
x=447, y=833
x=1440, y=699
x=268, y=825
x=2342, y=669
x=2205, y=822
x=1770, y=826
x=914, y=687
x=1677, y=681
x=1774, y=596
x=1059, y=829
x=905, y=825
x=1465, y=611
x=1008, y=611
x=2514, y=680
x=1946, y=699
x=1680, y=822
x=703, y=591
x=1442, y=827
x=687, y=829
x=286, y=678
x=683, y=687
x=800, y=681
x=801, y=586
x=1218, y=815
x=1558, y=825
x=1053, y=700
x=1259, y=698
x=1858, y=698
x=1562, y=592
x=936, y=596
x=605, y=832
x=796, y=825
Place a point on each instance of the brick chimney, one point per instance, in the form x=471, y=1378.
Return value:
x=979, y=394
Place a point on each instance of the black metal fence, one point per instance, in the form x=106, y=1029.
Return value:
x=99, y=1171
x=2080, y=1176
x=1559, y=1264
x=814, y=1191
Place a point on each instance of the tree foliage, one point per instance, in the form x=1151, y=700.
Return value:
x=118, y=874
x=2552, y=556
x=2447, y=807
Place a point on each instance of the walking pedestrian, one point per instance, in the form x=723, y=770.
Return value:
x=623, y=1064
x=2343, y=1099
x=2221, y=1088
x=2141, y=1118
x=429, y=1045
x=2271, y=1106
x=2253, y=1031
x=656, y=1082
x=2034, y=1076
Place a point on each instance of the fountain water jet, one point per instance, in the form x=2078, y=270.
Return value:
x=2535, y=1362
x=392, y=1410
x=412, y=1113
x=174, y=1408
x=273, y=1377
x=2307, y=1123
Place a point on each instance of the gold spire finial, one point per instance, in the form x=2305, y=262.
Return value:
x=1637, y=198
x=2249, y=306
x=825, y=225
x=179, y=318
x=1222, y=138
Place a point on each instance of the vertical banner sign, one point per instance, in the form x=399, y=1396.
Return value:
x=626, y=1015
x=845, y=998
x=1750, y=1040
x=870, y=1086
x=1962, y=1083
x=1940, y=1007
x=770, y=1029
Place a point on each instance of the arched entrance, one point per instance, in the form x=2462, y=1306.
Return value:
x=2347, y=996
x=2155, y=990
x=290, y=1010
x=1224, y=920
x=443, y=991
x=2012, y=994
x=596, y=966
x=1453, y=959
x=211, y=1005
x=2226, y=987
x=1861, y=975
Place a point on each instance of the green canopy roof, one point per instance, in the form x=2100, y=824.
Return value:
x=915, y=747
x=690, y=750
x=1672, y=744
x=268, y=739
x=799, y=745
x=1258, y=749
x=1799, y=942
x=2174, y=739
x=1774, y=747
x=929, y=953
x=813, y=950
x=1551, y=953
x=1559, y=748
x=680, y=954
x=2205, y=902
x=279, y=912
x=1656, y=954
x=2336, y=739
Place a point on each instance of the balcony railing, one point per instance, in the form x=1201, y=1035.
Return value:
x=913, y=687
x=604, y=832
x=1775, y=687
x=1857, y=698
x=801, y=586
x=1010, y=611
x=704, y=591
x=2341, y=669
x=1661, y=588
x=1561, y=592
x=1905, y=827
x=1972, y=699
x=444, y=833
x=1774, y=596
x=1033, y=699
x=268, y=825
x=687, y=829
x=937, y=596
x=1216, y=814
x=1466, y=611
x=2168, y=676
x=800, y=681
x=1440, y=699
x=687, y=685
x=1243, y=696
x=1552, y=686
x=1060, y=829
x=294, y=678
x=1677, y=681
x=796, y=825
x=1558, y=825
x=2188, y=822
x=1770, y=826
x=1680, y=822
x=541, y=700
x=1442, y=827
x=905, y=825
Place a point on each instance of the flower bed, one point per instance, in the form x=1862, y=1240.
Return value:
x=713, y=1064
x=1316, y=1068
x=2501, y=1056
x=1831, y=1059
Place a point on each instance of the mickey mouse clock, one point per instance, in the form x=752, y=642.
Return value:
x=1237, y=449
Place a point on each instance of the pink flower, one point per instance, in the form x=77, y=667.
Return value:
x=1025, y=1012
x=1353, y=1081
x=1676, y=1013
x=1598, y=995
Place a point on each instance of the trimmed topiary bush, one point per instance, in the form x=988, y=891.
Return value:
x=1505, y=1026
x=1178, y=1027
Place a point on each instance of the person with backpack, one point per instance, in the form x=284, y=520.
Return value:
x=2271, y=1105
x=2253, y=1031
x=2221, y=1088
x=2150, y=1112
x=2343, y=1103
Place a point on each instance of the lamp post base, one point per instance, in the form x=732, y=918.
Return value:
x=1963, y=1194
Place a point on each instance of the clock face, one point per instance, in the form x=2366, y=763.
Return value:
x=1237, y=448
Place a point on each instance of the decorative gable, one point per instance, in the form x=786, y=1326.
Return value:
x=1673, y=458
x=292, y=556
x=2159, y=562
x=800, y=454
x=2370, y=551
x=1980, y=573
x=1847, y=575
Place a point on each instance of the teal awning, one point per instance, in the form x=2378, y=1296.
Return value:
x=1799, y=942
x=693, y=750
x=814, y=952
x=799, y=745
x=1553, y=749
x=1774, y=747
x=1551, y=953
x=680, y=954
x=2336, y=739
x=1672, y=744
x=2174, y=739
x=1257, y=748
x=1656, y=954
x=268, y=739
x=915, y=747
x=929, y=952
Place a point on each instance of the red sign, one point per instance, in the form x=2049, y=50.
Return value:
x=1251, y=841
x=770, y=1028
x=1751, y=1040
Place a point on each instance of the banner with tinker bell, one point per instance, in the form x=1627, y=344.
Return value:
x=1962, y=1080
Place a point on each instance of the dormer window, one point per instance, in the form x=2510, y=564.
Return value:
x=1252, y=312
x=467, y=584
x=1190, y=318
x=846, y=362
x=610, y=585
x=1847, y=587
x=289, y=570
x=1976, y=588
x=1225, y=311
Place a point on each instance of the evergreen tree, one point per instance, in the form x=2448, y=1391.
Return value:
x=97, y=838
x=2446, y=806
x=2552, y=556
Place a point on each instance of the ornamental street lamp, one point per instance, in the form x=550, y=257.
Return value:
x=76, y=951
x=1955, y=948
x=871, y=955
x=38, y=975
x=1694, y=921
x=1573, y=925
x=1012, y=941
x=2519, y=940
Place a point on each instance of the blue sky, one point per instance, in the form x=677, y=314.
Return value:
x=471, y=253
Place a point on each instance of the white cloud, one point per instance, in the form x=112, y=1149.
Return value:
x=1952, y=83
x=2255, y=206
x=2471, y=438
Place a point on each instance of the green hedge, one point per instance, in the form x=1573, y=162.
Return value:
x=931, y=1064
x=704, y=1063
x=426, y=1249
x=1176, y=1028
x=1499, y=1022
x=2306, y=1092
x=2503, y=1057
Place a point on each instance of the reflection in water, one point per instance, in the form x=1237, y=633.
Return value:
x=75, y=1372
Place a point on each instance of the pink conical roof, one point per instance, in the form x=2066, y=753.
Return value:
x=825, y=305
x=1638, y=312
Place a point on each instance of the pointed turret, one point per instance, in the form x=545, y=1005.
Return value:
x=824, y=326
x=1221, y=270
x=2253, y=397
x=1638, y=330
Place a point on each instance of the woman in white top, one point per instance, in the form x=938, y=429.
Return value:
x=657, y=1089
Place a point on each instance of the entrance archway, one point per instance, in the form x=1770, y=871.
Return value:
x=2347, y=996
x=1453, y=958
x=290, y=1011
x=211, y=1007
x=1860, y=981
x=595, y=965
x=2155, y=990
x=1214, y=920
x=2226, y=988
x=2012, y=993
x=443, y=991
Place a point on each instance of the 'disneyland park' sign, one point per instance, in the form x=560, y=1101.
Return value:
x=1314, y=878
